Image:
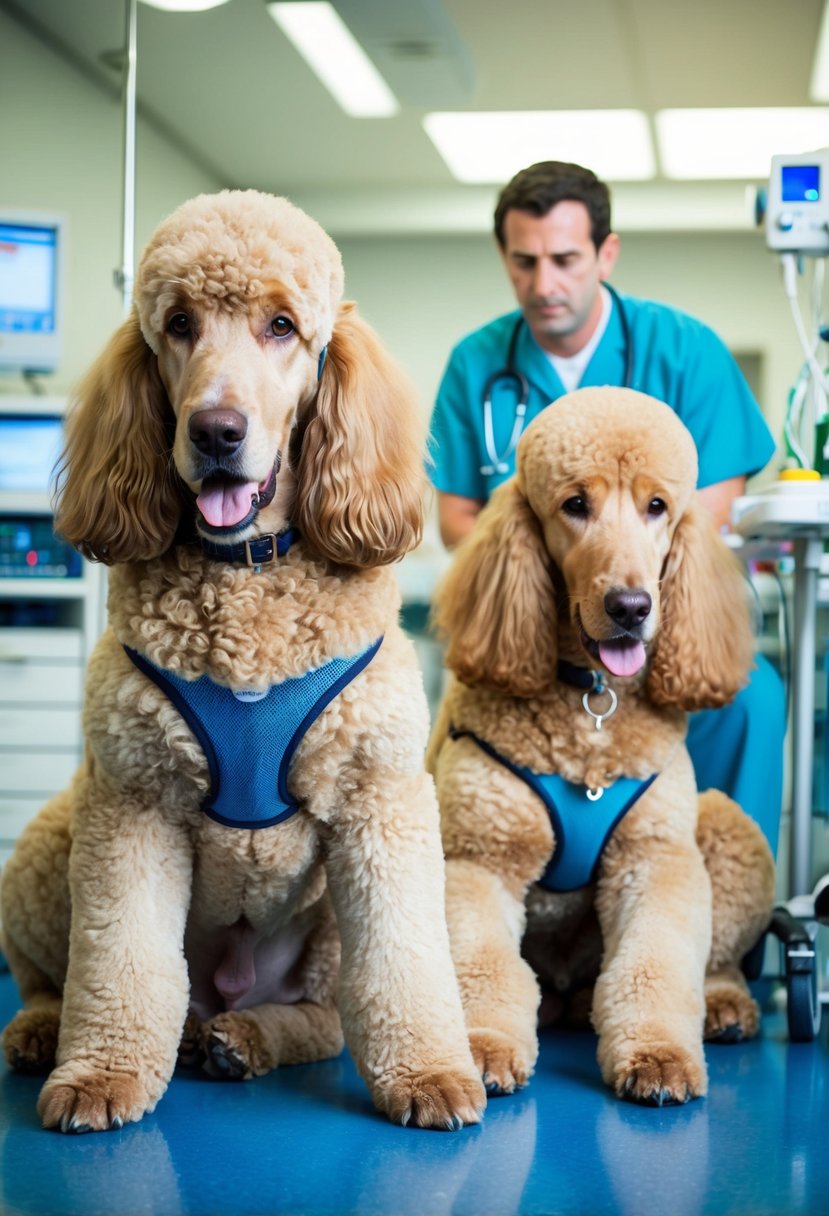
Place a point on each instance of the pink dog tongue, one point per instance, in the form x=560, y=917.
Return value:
x=622, y=658
x=225, y=504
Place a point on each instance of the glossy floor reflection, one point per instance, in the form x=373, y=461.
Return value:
x=306, y=1141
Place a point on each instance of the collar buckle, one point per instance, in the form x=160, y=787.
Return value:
x=256, y=553
x=260, y=552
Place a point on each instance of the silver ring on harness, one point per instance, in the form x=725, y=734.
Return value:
x=597, y=690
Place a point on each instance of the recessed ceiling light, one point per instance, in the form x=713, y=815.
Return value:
x=331, y=51
x=735, y=143
x=184, y=6
x=492, y=146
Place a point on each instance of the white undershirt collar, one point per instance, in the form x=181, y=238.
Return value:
x=570, y=369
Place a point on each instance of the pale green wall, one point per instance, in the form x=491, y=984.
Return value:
x=423, y=293
x=60, y=150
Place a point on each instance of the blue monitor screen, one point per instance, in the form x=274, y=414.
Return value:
x=801, y=183
x=29, y=449
x=28, y=278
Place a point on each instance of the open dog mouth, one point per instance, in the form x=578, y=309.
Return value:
x=228, y=504
x=623, y=655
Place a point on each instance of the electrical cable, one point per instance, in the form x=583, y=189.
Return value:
x=794, y=417
x=788, y=262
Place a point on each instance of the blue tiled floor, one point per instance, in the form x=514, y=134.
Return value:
x=306, y=1141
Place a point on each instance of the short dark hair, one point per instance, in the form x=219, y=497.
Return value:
x=537, y=189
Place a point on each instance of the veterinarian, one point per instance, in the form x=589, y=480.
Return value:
x=572, y=329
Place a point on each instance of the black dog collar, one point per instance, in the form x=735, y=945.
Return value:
x=254, y=553
x=579, y=677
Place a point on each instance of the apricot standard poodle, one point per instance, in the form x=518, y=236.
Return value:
x=591, y=607
x=252, y=813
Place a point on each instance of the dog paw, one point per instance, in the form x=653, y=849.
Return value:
x=660, y=1075
x=30, y=1040
x=233, y=1048
x=731, y=1014
x=91, y=1101
x=504, y=1064
x=190, y=1049
x=445, y=1099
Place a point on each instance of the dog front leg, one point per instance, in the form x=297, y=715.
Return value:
x=398, y=995
x=741, y=869
x=126, y=990
x=499, y=991
x=648, y=1005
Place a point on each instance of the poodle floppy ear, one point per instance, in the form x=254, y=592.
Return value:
x=496, y=606
x=704, y=647
x=118, y=494
x=360, y=471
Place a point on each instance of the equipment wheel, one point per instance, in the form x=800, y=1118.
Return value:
x=802, y=1003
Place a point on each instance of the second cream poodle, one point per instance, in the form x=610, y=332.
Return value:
x=248, y=862
x=592, y=606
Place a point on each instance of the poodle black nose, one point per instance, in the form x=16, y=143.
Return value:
x=217, y=433
x=627, y=608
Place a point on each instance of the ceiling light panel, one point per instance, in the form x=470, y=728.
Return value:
x=490, y=147
x=333, y=54
x=734, y=144
x=184, y=6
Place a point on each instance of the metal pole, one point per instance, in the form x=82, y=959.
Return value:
x=124, y=275
x=808, y=551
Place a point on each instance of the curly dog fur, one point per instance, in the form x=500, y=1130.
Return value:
x=139, y=930
x=596, y=553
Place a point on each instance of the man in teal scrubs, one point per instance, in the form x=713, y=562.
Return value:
x=552, y=225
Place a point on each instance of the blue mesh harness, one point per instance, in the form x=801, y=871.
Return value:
x=249, y=739
x=582, y=826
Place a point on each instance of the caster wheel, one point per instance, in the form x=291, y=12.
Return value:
x=802, y=1005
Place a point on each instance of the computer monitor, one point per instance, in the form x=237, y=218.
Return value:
x=31, y=286
x=30, y=445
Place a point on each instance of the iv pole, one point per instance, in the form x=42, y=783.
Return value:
x=125, y=274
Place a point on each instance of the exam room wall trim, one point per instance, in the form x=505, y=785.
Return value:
x=657, y=206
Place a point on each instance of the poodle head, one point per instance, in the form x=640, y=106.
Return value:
x=597, y=551
x=608, y=473
x=236, y=295
x=245, y=394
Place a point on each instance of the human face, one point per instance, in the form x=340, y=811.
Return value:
x=555, y=271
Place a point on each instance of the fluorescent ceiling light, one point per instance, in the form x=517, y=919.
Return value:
x=329, y=48
x=492, y=146
x=735, y=143
x=819, y=88
x=184, y=6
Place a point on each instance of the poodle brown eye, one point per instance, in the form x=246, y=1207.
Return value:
x=575, y=506
x=281, y=327
x=657, y=506
x=179, y=325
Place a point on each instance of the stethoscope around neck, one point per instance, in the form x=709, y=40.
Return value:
x=496, y=463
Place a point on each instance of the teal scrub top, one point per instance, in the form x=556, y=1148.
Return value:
x=676, y=359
